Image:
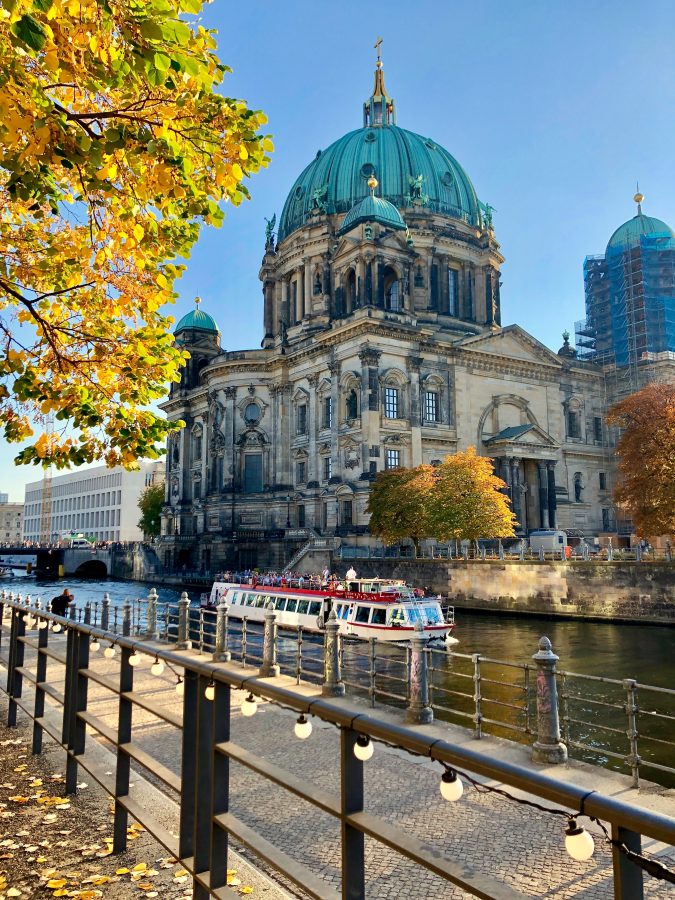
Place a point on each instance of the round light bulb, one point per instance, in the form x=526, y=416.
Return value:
x=109, y=652
x=210, y=691
x=363, y=748
x=42, y=624
x=578, y=842
x=157, y=667
x=451, y=786
x=56, y=628
x=30, y=623
x=94, y=646
x=303, y=728
x=180, y=687
x=135, y=659
x=249, y=706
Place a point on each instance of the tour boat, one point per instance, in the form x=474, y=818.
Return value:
x=365, y=608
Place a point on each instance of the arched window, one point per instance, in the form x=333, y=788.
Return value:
x=351, y=300
x=393, y=299
x=352, y=404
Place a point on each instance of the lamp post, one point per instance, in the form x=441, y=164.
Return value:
x=288, y=512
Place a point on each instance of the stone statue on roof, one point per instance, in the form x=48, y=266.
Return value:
x=416, y=195
x=319, y=196
x=269, y=231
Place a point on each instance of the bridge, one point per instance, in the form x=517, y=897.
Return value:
x=56, y=562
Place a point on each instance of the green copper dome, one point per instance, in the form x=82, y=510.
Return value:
x=629, y=234
x=336, y=180
x=197, y=320
x=373, y=209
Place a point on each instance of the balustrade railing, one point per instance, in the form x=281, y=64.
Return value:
x=216, y=657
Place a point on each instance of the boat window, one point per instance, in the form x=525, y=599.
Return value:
x=291, y=604
x=362, y=613
x=433, y=614
x=280, y=603
x=235, y=597
x=379, y=616
x=303, y=606
x=398, y=615
x=415, y=615
x=315, y=608
x=248, y=599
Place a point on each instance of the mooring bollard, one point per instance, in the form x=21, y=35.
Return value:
x=184, y=642
x=126, y=618
x=548, y=748
x=333, y=686
x=269, y=667
x=221, y=653
x=87, y=613
x=633, y=759
x=418, y=710
x=151, y=617
x=105, y=613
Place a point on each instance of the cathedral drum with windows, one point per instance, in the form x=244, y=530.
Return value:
x=382, y=347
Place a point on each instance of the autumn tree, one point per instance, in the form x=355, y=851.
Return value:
x=468, y=502
x=459, y=499
x=398, y=504
x=646, y=453
x=150, y=504
x=115, y=147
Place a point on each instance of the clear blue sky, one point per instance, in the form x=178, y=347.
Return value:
x=554, y=111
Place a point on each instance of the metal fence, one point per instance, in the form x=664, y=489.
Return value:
x=202, y=789
x=619, y=723
x=513, y=553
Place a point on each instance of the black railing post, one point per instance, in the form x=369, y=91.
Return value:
x=221, y=784
x=188, y=766
x=14, y=676
x=351, y=797
x=628, y=878
x=203, y=787
x=3, y=597
x=68, y=685
x=77, y=729
x=40, y=679
x=124, y=714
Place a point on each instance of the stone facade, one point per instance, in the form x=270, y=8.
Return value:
x=382, y=347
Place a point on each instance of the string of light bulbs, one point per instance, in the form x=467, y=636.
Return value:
x=579, y=842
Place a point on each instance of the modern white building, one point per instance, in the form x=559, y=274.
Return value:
x=100, y=503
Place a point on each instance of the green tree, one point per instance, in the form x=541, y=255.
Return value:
x=115, y=147
x=646, y=452
x=150, y=504
x=398, y=504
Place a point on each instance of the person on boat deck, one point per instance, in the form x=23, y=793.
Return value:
x=351, y=576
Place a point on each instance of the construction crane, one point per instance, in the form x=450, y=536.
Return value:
x=46, y=518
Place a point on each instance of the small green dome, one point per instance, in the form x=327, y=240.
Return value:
x=629, y=234
x=373, y=209
x=337, y=179
x=198, y=321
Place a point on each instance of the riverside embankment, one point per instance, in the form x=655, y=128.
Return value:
x=614, y=591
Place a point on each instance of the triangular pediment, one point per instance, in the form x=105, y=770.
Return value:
x=511, y=342
x=520, y=435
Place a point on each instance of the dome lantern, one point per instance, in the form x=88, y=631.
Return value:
x=197, y=320
x=379, y=108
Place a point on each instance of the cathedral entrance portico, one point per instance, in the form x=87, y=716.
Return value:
x=530, y=485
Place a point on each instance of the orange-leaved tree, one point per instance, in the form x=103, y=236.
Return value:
x=646, y=452
x=115, y=147
x=468, y=502
x=459, y=499
x=398, y=504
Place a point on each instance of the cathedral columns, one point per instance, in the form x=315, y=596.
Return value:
x=413, y=366
x=230, y=426
x=334, y=369
x=360, y=282
x=543, y=494
x=515, y=490
x=370, y=403
x=300, y=294
x=479, y=311
x=552, y=504
x=285, y=305
x=268, y=294
x=307, y=309
x=286, y=419
x=313, y=461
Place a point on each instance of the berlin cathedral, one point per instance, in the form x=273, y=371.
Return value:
x=382, y=347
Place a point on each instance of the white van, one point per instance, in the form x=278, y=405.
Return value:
x=80, y=544
x=548, y=541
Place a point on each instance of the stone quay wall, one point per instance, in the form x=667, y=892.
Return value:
x=624, y=591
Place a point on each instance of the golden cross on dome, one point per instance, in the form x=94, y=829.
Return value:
x=377, y=45
x=198, y=300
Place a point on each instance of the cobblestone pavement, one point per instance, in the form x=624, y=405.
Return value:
x=495, y=836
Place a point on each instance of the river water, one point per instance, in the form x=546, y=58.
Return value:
x=645, y=653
